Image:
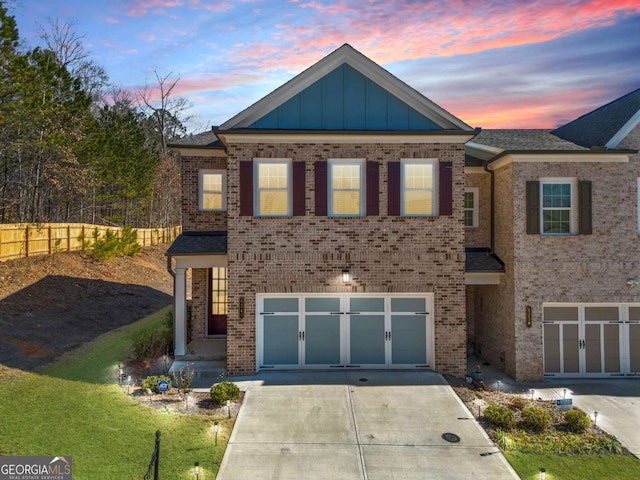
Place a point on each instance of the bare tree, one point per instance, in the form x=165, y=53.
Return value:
x=66, y=45
x=166, y=112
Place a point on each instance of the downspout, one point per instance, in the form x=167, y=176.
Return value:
x=170, y=268
x=485, y=165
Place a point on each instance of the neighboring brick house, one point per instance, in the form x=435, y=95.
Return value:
x=345, y=221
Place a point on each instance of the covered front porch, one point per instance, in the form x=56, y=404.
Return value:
x=202, y=253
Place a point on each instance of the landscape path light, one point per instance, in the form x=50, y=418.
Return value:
x=595, y=419
x=196, y=469
x=215, y=430
x=543, y=474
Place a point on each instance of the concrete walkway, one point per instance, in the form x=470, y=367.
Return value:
x=356, y=425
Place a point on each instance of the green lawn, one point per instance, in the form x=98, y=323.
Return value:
x=578, y=467
x=69, y=409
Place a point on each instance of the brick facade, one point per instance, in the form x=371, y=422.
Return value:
x=194, y=219
x=384, y=254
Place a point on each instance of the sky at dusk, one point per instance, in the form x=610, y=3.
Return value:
x=493, y=64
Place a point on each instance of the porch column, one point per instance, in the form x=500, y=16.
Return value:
x=180, y=315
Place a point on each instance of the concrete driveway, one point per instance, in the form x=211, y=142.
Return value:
x=357, y=425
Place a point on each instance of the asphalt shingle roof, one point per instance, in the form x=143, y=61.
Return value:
x=204, y=139
x=522, y=140
x=596, y=128
x=199, y=243
x=481, y=260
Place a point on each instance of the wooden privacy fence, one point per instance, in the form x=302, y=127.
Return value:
x=26, y=240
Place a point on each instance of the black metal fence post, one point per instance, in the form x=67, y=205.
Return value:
x=157, y=465
x=154, y=464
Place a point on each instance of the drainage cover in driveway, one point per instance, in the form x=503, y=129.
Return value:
x=451, y=437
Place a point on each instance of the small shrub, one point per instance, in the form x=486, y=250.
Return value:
x=518, y=403
x=536, y=419
x=577, y=421
x=151, y=382
x=152, y=342
x=223, y=391
x=183, y=379
x=501, y=417
x=112, y=245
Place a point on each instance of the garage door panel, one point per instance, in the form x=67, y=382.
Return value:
x=322, y=339
x=570, y=349
x=366, y=339
x=281, y=340
x=408, y=334
x=612, y=348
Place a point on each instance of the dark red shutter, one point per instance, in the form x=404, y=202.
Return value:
x=445, y=186
x=321, y=188
x=246, y=188
x=393, y=189
x=584, y=207
x=373, y=188
x=533, y=207
x=298, y=189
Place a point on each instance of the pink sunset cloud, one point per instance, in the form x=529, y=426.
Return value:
x=389, y=31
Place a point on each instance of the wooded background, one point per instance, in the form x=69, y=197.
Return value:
x=76, y=148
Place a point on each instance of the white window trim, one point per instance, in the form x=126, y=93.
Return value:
x=476, y=196
x=201, y=192
x=361, y=162
x=573, y=211
x=256, y=187
x=436, y=176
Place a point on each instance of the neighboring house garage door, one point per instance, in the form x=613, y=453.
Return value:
x=591, y=340
x=344, y=331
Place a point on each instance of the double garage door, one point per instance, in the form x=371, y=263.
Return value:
x=591, y=339
x=344, y=331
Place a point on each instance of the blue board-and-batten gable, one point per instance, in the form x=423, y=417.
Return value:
x=345, y=99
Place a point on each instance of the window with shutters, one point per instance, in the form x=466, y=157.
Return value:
x=471, y=207
x=212, y=190
x=418, y=187
x=558, y=201
x=346, y=188
x=273, y=188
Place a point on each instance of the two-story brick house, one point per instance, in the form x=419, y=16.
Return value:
x=345, y=221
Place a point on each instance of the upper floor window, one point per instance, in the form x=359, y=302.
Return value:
x=471, y=207
x=212, y=189
x=346, y=188
x=418, y=187
x=558, y=206
x=272, y=180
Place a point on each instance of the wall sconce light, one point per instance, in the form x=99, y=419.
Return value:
x=346, y=276
x=528, y=316
x=632, y=283
x=196, y=469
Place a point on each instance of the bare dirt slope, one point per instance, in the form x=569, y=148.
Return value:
x=52, y=304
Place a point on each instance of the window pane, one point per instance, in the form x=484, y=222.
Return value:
x=274, y=202
x=212, y=182
x=468, y=199
x=346, y=202
x=418, y=175
x=468, y=218
x=272, y=175
x=212, y=201
x=408, y=305
x=601, y=313
x=345, y=177
x=322, y=305
x=556, y=221
x=556, y=195
x=418, y=202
